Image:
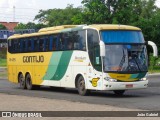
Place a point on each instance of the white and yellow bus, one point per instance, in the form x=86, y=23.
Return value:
x=86, y=57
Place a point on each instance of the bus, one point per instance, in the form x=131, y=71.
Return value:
x=87, y=57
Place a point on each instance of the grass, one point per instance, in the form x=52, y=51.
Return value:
x=154, y=65
x=3, y=74
x=155, y=69
x=3, y=62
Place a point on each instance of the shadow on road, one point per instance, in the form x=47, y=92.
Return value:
x=67, y=91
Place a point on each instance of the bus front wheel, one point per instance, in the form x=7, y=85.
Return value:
x=29, y=82
x=81, y=86
x=21, y=81
x=119, y=92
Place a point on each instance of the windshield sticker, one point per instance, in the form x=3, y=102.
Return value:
x=97, y=60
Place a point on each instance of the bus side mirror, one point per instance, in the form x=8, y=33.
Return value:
x=154, y=46
x=102, y=48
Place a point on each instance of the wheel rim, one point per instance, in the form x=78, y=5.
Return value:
x=82, y=85
x=22, y=83
x=28, y=82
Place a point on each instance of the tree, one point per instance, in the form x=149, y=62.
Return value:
x=115, y=11
x=54, y=17
x=142, y=13
x=30, y=25
x=2, y=27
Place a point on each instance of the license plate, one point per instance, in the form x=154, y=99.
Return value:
x=129, y=86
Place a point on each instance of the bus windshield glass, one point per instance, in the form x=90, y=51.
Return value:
x=122, y=36
x=125, y=53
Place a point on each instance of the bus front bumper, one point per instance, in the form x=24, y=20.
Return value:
x=125, y=85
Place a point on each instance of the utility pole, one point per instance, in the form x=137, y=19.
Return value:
x=14, y=13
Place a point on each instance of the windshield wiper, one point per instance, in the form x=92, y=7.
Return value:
x=122, y=60
x=137, y=64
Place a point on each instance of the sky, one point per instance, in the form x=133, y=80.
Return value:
x=26, y=10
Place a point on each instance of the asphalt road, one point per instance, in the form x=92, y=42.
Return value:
x=146, y=99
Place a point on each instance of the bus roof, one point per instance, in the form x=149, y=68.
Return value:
x=57, y=29
x=113, y=27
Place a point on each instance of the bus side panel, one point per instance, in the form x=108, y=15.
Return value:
x=39, y=72
x=68, y=80
x=77, y=65
x=14, y=72
x=10, y=74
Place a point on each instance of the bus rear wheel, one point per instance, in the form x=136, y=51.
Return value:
x=29, y=82
x=119, y=92
x=21, y=81
x=81, y=86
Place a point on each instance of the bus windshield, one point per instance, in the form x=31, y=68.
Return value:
x=125, y=58
x=122, y=36
x=125, y=52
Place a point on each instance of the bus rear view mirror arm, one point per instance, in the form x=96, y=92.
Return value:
x=102, y=48
x=155, y=49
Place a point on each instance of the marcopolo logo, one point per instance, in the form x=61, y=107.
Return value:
x=33, y=59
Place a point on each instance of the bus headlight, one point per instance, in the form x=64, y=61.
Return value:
x=110, y=79
x=143, y=79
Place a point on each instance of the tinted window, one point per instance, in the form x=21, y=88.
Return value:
x=94, y=49
x=119, y=36
x=75, y=40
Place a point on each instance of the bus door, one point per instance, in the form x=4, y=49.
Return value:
x=95, y=65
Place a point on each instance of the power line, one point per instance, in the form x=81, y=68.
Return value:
x=20, y=19
x=25, y=16
x=2, y=14
x=20, y=8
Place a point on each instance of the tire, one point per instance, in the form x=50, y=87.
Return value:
x=29, y=82
x=21, y=80
x=119, y=92
x=81, y=86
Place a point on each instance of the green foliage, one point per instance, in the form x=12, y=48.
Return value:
x=55, y=17
x=3, y=52
x=2, y=27
x=3, y=62
x=29, y=25
x=141, y=13
x=154, y=65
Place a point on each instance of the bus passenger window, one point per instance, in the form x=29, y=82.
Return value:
x=26, y=45
x=62, y=42
x=41, y=45
x=22, y=45
x=36, y=43
x=70, y=46
x=54, y=44
x=47, y=43
x=32, y=44
x=29, y=45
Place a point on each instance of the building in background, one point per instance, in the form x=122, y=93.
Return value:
x=9, y=25
x=4, y=34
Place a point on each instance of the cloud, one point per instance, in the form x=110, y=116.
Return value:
x=158, y=3
x=25, y=10
x=3, y=3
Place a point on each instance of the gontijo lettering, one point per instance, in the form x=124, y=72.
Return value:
x=33, y=59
